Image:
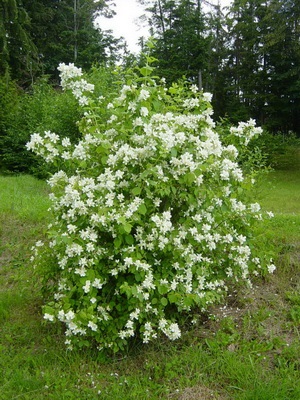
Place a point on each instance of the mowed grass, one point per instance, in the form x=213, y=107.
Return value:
x=24, y=197
x=248, y=348
x=280, y=193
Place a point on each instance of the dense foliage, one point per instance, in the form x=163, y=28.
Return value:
x=22, y=113
x=151, y=217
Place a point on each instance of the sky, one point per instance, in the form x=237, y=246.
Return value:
x=125, y=22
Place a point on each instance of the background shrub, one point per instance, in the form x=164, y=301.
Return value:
x=44, y=108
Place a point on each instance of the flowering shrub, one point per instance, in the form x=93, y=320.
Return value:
x=151, y=218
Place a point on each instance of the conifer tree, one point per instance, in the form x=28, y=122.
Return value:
x=64, y=31
x=18, y=54
x=181, y=44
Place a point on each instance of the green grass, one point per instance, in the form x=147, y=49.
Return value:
x=246, y=349
x=280, y=190
x=24, y=197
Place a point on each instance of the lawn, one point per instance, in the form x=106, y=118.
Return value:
x=247, y=348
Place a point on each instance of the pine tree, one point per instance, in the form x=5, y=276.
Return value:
x=18, y=54
x=261, y=72
x=181, y=43
x=64, y=31
x=282, y=46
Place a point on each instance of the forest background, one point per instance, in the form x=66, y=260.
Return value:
x=247, y=55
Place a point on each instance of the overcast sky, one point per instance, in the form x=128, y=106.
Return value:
x=124, y=23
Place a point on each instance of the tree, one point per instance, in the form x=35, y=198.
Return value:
x=215, y=76
x=244, y=67
x=261, y=69
x=179, y=30
x=18, y=54
x=64, y=31
x=282, y=47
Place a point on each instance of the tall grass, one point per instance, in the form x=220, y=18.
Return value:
x=246, y=349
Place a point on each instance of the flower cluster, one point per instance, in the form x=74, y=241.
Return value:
x=246, y=131
x=68, y=73
x=150, y=214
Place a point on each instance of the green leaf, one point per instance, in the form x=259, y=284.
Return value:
x=127, y=227
x=129, y=239
x=146, y=71
x=136, y=191
x=118, y=241
x=82, y=315
x=142, y=209
x=174, y=297
x=101, y=149
x=189, y=178
x=164, y=301
x=125, y=288
x=106, y=145
x=138, y=277
x=48, y=310
x=162, y=289
x=157, y=105
x=104, y=160
x=188, y=301
x=173, y=90
x=90, y=274
x=173, y=152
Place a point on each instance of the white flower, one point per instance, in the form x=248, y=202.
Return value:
x=92, y=325
x=128, y=261
x=194, y=88
x=148, y=282
x=35, y=141
x=53, y=137
x=155, y=191
x=69, y=316
x=83, y=101
x=144, y=111
x=49, y=317
x=87, y=286
x=174, y=331
x=61, y=315
x=132, y=106
x=138, y=122
x=71, y=228
x=144, y=94
x=254, y=207
x=271, y=268
x=206, y=228
x=190, y=103
x=237, y=205
x=135, y=314
x=207, y=96
x=98, y=284
x=80, y=271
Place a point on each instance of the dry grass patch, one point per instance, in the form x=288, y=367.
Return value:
x=198, y=392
